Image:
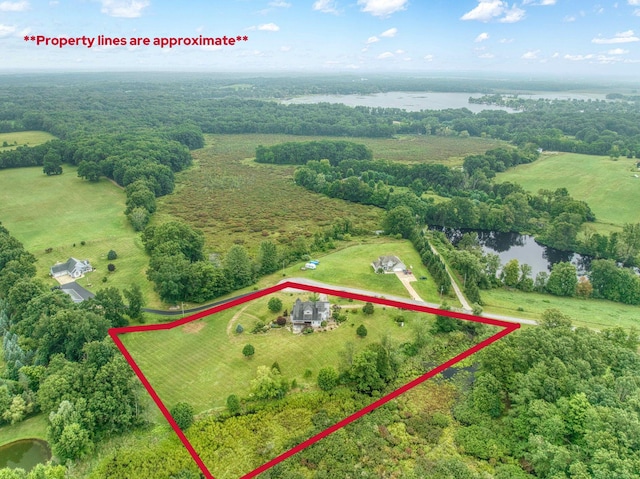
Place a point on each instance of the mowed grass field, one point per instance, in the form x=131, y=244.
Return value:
x=235, y=200
x=60, y=211
x=21, y=138
x=592, y=313
x=609, y=187
x=202, y=362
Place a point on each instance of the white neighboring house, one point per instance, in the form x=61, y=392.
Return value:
x=309, y=314
x=388, y=264
x=73, y=267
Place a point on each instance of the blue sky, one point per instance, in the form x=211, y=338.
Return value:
x=560, y=37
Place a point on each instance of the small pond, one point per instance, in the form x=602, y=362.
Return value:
x=24, y=454
x=524, y=248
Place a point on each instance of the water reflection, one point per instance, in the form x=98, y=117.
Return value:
x=524, y=248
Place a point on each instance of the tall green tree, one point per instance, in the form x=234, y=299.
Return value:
x=563, y=279
x=238, y=267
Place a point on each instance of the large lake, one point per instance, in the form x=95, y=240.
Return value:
x=416, y=101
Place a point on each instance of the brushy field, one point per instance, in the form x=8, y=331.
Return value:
x=59, y=212
x=592, y=313
x=609, y=187
x=202, y=362
x=21, y=138
x=235, y=200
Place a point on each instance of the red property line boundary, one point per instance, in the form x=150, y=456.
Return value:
x=116, y=332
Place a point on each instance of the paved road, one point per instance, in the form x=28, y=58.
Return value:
x=312, y=282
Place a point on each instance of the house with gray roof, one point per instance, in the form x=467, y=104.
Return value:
x=309, y=314
x=388, y=264
x=72, y=267
x=78, y=293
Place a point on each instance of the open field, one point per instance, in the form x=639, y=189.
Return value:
x=33, y=428
x=609, y=187
x=592, y=313
x=21, y=138
x=202, y=362
x=60, y=212
x=234, y=200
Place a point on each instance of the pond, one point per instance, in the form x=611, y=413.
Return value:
x=24, y=454
x=524, y=248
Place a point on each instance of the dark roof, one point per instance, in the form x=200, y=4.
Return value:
x=77, y=292
x=313, y=307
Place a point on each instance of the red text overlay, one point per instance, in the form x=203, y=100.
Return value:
x=162, y=42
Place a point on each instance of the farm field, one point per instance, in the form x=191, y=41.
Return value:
x=62, y=211
x=234, y=200
x=592, y=313
x=609, y=187
x=202, y=362
x=21, y=138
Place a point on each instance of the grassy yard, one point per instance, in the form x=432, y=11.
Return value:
x=21, y=138
x=592, y=313
x=61, y=212
x=609, y=187
x=33, y=428
x=202, y=362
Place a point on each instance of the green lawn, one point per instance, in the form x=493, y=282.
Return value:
x=202, y=362
x=609, y=187
x=33, y=428
x=60, y=212
x=21, y=138
x=592, y=313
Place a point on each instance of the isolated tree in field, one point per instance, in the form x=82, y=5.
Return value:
x=248, y=351
x=361, y=331
x=367, y=308
x=182, y=414
x=52, y=163
x=563, y=279
x=239, y=329
x=111, y=267
x=111, y=255
x=233, y=404
x=327, y=378
x=275, y=305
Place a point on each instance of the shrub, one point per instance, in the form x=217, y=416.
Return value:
x=82, y=243
x=258, y=327
x=308, y=373
x=275, y=305
x=233, y=404
x=367, y=308
x=327, y=378
x=239, y=329
x=361, y=331
x=182, y=414
x=281, y=321
x=248, y=351
x=111, y=267
x=307, y=330
x=111, y=255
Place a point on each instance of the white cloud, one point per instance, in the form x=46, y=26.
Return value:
x=384, y=55
x=636, y=12
x=54, y=3
x=373, y=39
x=389, y=33
x=555, y=55
x=577, y=58
x=530, y=55
x=429, y=57
x=325, y=6
x=14, y=6
x=486, y=55
x=382, y=8
x=633, y=2
x=621, y=37
x=506, y=40
x=540, y=3
x=488, y=10
x=279, y=4
x=569, y=18
x=512, y=16
x=269, y=27
x=6, y=30
x=617, y=51
x=482, y=37
x=485, y=11
x=124, y=8
x=400, y=52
